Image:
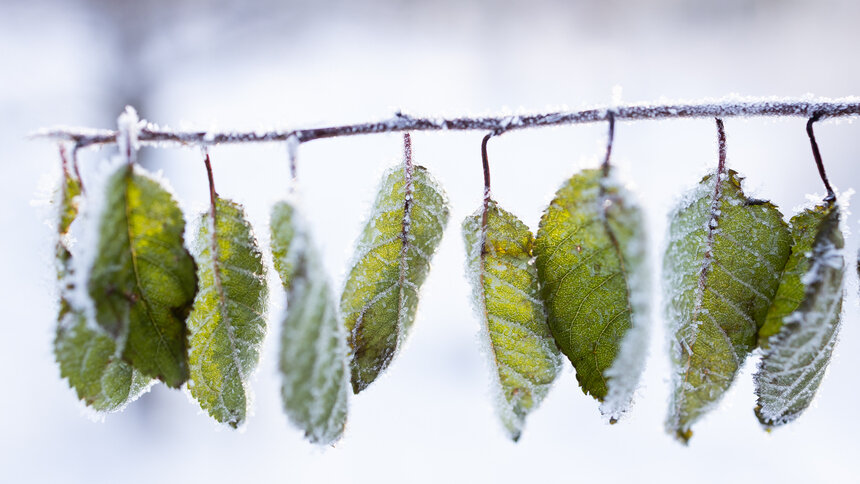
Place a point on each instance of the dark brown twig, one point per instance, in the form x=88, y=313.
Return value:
x=153, y=135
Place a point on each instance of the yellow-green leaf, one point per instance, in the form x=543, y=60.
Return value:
x=87, y=357
x=313, y=353
x=590, y=250
x=721, y=270
x=142, y=281
x=804, y=319
x=392, y=259
x=226, y=325
x=524, y=357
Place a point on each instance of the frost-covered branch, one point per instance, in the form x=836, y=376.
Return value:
x=153, y=134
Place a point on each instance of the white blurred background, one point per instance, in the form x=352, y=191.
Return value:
x=308, y=63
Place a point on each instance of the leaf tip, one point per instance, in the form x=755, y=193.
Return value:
x=684, y=436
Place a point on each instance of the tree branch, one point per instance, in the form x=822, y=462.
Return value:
x=154, y=135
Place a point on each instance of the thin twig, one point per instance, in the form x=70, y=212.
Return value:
x=831, y=195
x=154, y=135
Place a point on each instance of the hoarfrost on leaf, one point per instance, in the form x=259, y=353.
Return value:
x=803, y=321
x=87, y=358
x=524, y=358
x=591, y=253
x=142, y=280
x=313, y=353
x=720, y=273
x=392, y=260
x=227, y=323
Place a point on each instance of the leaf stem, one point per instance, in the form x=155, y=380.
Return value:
x=610, y=117
x=212, y=193
x=75, y=168
x=407, y=152
x=816, y=153
x=721, y=143
x=64, y=161
x=485, y=162
x=292, y=154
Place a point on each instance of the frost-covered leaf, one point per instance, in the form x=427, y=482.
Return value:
x=722, y=267
x=391, y=262
x=87, y=358
x=142, y=281
x=804, y=317
x=524, y=358
x=590, y=250
x=313, y=354
x=226, y=324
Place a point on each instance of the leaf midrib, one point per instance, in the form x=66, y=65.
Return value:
x=219, y=289
x=706, y=264
x=406, y=223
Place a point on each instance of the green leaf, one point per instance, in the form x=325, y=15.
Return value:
x=721, y=270
x=143, y=281
x=500, y=267
x=313, y=354
x=226, y=324
x=805, y=318
x=87, y=358
x=391, y=262
x=590, y=250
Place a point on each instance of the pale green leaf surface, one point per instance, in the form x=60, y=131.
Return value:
x=590, y=250
x=143, y=280
x=87, y=358
x=227, y=323
x=805, y=317
x=313, y=353
x=524, y=357
x=721, y=270
x=392, y=259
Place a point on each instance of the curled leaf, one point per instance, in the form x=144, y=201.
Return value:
x=226, y=324
x=313, y=353
x=87, y=358
x=500, y=267
x=392, y=260
x=142, y=281
x=803, y=321
x=721, y=270
x=590, y=250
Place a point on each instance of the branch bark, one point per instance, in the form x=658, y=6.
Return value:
x=154, y=135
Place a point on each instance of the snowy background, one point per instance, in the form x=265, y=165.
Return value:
x=306, y=63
